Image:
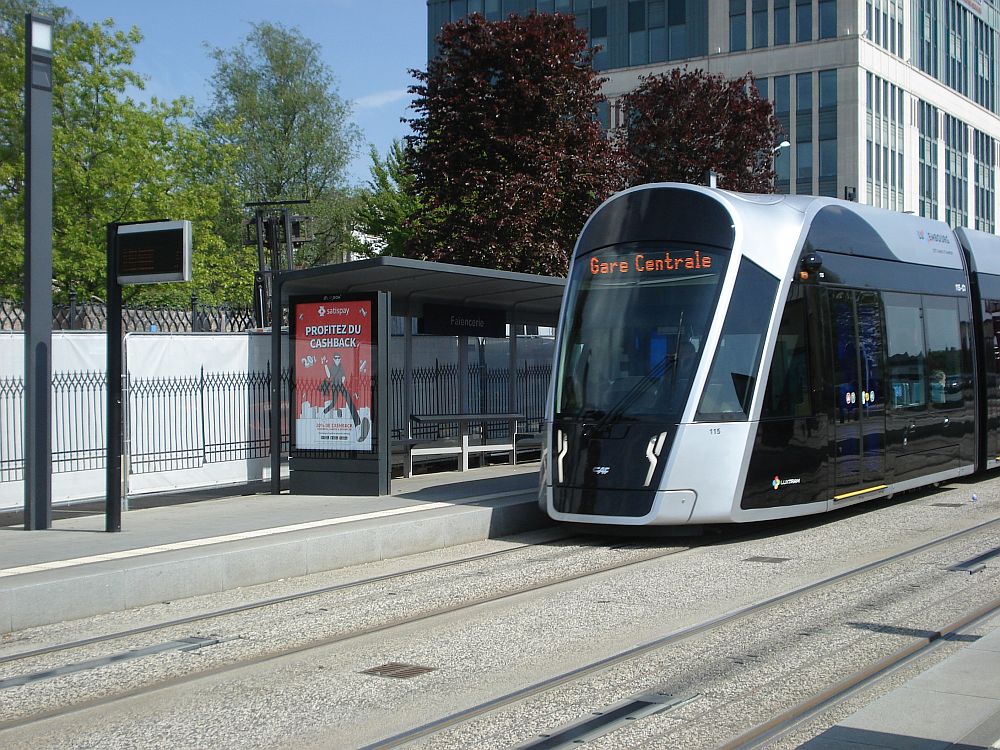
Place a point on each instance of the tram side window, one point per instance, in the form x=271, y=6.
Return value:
x=991, y=335
x=906, y=357
x=731, y=381
x=947, y=376
x=787, y=393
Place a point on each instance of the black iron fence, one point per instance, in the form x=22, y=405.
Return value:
x=187, y=422
x=92, y=315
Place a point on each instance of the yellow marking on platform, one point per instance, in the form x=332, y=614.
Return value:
x=859, y=492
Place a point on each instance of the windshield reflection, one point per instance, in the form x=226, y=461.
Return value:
x=633, y=333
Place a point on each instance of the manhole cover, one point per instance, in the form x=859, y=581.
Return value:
x=398, y=670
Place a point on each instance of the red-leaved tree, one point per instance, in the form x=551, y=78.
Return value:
x=679, y=125
x=507, y=154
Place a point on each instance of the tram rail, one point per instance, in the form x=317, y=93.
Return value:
x=571, y=676
x=339, y=638
x=781, y=725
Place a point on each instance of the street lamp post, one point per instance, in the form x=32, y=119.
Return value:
x=38, y=272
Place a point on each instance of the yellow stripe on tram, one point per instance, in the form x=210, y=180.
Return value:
x=860, y=492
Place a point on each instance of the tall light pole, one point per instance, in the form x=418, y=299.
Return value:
x=38, y=272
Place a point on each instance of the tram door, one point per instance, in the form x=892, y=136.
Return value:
x=859, y=411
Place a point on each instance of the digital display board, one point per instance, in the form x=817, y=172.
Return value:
x=154, y=252
x=449, y=320
x=652, y=262
x=332, y=340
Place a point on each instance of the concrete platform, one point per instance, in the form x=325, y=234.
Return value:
x=76, y=569
x=954, y=705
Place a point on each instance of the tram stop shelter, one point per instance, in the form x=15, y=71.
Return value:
x=339, y=338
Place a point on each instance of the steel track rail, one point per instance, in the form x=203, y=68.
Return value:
x=578, y=673
x=340, y=638
x=844, y=689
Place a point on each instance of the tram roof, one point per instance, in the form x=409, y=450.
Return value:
x=535, y=299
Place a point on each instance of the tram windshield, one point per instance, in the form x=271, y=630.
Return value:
x=634, y=330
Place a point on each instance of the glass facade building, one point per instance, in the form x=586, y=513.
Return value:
x=841, y=76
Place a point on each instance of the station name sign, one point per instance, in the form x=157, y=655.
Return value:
x=447, y=320
x=664, y=262
x=154, y=252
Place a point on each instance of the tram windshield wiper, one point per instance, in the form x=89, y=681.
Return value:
x=656, y=373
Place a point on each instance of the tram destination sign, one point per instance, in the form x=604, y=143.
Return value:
x=651, y=262
x=154, y=252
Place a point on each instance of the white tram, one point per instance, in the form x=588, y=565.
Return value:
x=724, y=357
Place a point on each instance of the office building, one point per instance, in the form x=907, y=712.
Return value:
x=889, y=102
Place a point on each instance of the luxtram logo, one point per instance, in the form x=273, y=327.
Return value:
x=778, y=482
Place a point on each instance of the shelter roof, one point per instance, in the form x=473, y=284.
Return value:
x=533, y=298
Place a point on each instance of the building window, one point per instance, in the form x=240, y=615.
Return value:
x=984, y=58
x=803, y=20
x=737, y=25
x=803, y=134
x=884, y=127
x=927, y=125
x=599, y=33
x=782, y=21
x=638, y=40
x=782, y=111
x=761, y=84
x=827, y=133
x=985, y=157
x=827, y=19
x=956, y=172
x=759, y=23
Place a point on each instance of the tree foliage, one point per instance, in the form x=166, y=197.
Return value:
x=114, y=160
x=507, y=155
x=389, y=201
x=679, y=125
x=274, y=99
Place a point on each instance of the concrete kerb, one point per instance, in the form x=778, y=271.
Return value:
x=46, y=597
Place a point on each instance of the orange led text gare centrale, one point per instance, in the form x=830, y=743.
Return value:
x=642, y=264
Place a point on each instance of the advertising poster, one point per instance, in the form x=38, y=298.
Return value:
x=333, y=366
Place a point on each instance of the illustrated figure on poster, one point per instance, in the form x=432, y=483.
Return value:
x=336, y=383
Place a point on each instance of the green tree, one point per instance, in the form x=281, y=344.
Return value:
x=389, y=201
x=114, y=160
x=681, y=124
x=507, y=154
x=274, y=100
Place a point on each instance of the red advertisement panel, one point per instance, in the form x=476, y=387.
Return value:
x=333, y=365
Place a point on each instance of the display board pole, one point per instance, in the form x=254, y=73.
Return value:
x=113, y=438
x=276, y=318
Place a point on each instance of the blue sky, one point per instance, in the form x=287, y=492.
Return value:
x=369, y=45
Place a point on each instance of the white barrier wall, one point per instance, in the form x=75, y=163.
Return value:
x=186, y=455
x=77, y=352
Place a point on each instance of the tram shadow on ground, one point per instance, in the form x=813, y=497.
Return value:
x=845, y=738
